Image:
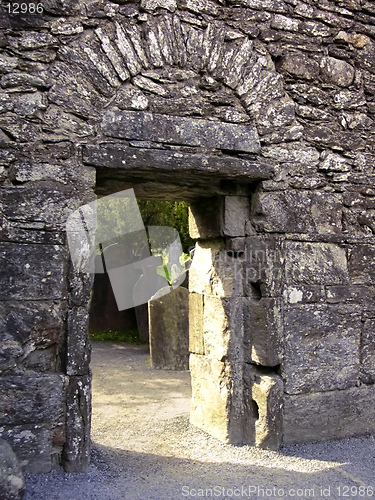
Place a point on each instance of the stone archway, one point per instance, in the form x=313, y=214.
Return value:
x=185, y=100
x=207, y=157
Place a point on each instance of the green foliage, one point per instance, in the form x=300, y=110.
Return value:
x=128, y=337
x=168, y=213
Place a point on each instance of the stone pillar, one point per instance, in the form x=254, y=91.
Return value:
x=235, y=325
x=76, y=451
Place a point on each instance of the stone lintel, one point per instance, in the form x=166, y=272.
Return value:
x=145, y=126
x=137, y=161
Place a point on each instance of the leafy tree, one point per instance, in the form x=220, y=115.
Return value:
x=168, y=213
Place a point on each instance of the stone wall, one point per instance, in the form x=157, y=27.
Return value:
x=258, y=113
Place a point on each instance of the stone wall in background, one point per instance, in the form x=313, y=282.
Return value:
x=261, y=114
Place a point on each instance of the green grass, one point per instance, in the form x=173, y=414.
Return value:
x=128, y=337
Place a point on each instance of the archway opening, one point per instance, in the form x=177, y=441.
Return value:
x=137, y=394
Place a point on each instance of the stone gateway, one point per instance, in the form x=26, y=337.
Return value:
x=261, y=116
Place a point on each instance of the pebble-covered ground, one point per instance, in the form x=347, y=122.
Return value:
x=144, y=448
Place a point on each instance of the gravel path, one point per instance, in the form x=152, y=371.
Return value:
x=144, y=448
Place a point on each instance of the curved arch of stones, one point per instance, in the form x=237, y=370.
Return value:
x=210, y=73
x=117, y=53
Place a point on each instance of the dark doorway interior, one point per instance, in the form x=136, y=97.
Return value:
x=106, y=321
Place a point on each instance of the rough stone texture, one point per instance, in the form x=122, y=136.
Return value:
x=12, y=482
x=78, y=348
x=210, y=401
x=264, y=393
x=213, y=272
x=298, y=212
x=76, y=452
x=191, y=174
x=196, y=340
x=328, y=415
x=236, y=213
x=32, y=412
x=31, y=338
x=315, y=263
x=263, y=267
x=29, y=275
x=205, y=218
x=321, y=348
x=263, y=327
x=368, y=351
x=336, y=71
x=361, y=264
x=169, y=330
x=144, y=126
x=32, y=443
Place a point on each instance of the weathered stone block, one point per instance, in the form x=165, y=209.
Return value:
x=210, y=406
x=264, y=393
x=336, y=71
x=73, y=91
x=300, y=155
x=263, y=327
x=196, y=342
x=151, y=5
x=61, y=7
x=7, y=63
x=10, y=352
x=33, y=444
x=36, y=323
x=63, y=173
x=169, y=330
x=80, y=287
x=218, y=327
x=368, y=351
x=354, y=294
x=236, y=246
x=297, y=212
x=129, y=97
x=30, y=399
x=62, y=27
x=278, y=113
x=145, y=126
x=236, y=213
x=47, y=202
x=263, y=266
x=12, y=481
x=76, y=450
x=136, y=161
x=200, y=6
x=56, y=120
x=361, y=264
x=321, y=348
x=78, y=346
x=300, y=66
x=284, y=23
x=329, y=415
x=32, y=272
x=304, y=294
x=315, y=264
x=205, y=218
x=214, y=272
